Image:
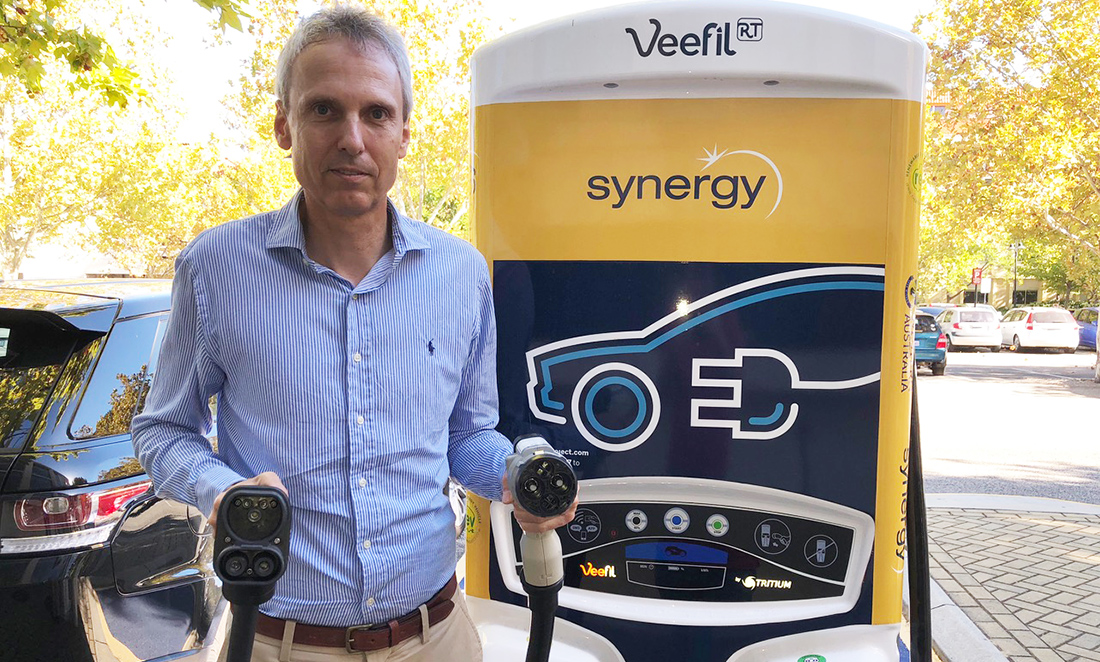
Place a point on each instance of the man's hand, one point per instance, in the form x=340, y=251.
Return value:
x=266, y=479
x=533, y=524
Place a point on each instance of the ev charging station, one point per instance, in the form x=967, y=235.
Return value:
x=701, y=223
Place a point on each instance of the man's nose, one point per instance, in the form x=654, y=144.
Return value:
x=351, y=135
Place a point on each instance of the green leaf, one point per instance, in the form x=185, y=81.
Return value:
x=230, y=18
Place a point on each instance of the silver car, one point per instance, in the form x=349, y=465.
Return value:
x=970, y=327
x=1036, y=327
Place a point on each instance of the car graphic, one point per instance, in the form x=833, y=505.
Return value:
x=568, y=377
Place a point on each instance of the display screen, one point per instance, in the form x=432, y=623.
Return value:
x=678, y=552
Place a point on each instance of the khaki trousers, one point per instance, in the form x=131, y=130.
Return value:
x=454, y=640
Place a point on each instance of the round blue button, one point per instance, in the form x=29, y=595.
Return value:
x=676, y=520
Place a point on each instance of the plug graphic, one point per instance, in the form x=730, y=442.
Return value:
x=766, y=424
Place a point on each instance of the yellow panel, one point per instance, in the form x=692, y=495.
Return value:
x=536, y=198
x=897, y=362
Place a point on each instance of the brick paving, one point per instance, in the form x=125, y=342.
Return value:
x=1029, y=580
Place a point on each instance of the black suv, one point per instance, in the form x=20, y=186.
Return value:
x=93, y=566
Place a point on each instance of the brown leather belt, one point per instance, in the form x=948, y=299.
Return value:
x=362, y=638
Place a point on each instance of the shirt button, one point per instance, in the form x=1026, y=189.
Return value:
x=370, y=602
x=359, y=419
x=366, y=544
x=355, y=297
x=362, y=482
x=357, y=357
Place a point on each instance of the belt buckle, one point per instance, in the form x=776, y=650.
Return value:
x=349, y=634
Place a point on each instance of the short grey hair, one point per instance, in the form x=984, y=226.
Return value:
x=356, y=24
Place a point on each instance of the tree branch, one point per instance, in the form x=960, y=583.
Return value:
x=1057, y=227
x=1088, y=175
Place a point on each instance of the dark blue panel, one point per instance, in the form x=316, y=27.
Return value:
x=828, y=326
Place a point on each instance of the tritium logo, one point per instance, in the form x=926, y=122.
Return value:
x=714, y=40
x=739, y=190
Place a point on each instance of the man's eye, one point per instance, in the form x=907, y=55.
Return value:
x=322, y=109
x=379, y=113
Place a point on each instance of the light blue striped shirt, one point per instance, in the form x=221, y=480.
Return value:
x=363, y=398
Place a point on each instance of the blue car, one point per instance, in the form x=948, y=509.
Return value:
x=930, y=344
x=1086, y=320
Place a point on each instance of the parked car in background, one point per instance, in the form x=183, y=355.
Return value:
x=985, y=306
x=93, y=565
x=934, y=309
x=970, y=327
x=1034, y=327
x=1086, y=319
x=929, y=344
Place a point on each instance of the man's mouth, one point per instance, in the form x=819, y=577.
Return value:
x=349, y=172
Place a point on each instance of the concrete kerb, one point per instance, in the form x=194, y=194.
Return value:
x=955, y=637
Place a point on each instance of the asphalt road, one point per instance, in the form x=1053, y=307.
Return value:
x=1024, y=424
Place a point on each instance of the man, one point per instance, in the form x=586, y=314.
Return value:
x=352, y=351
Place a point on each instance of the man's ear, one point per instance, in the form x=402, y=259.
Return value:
x=404, y=141
x=282, y=126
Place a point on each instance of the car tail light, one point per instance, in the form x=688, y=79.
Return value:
x=60, y=520
x=941, y=343
x=1030, y=324
x=61, y=511
x=956, y=326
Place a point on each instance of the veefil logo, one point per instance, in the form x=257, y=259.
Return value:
x=723, y=191
x=714, y=40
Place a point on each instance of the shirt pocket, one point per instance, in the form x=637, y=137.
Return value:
x=412, y=364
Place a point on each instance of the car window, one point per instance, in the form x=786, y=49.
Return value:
x=976, y=316
x=33, y=355
x=925, y=324
x=1012, y=316
x=121, y=379
x=1052, y=317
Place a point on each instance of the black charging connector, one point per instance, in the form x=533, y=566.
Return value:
x=251, y=547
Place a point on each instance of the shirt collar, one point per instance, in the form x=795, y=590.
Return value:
x=286, y=229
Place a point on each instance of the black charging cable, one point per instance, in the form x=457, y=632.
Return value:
x=916, y=536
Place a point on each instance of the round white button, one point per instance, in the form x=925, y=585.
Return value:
x=677, y=520
x=370, y=602
x=357, y=357
x=717, y=525
x=354, y=297
x=636, y=521
x=362, y=482
x=359, y=419
x=366, y=544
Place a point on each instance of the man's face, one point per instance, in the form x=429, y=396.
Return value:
x=344, y=122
